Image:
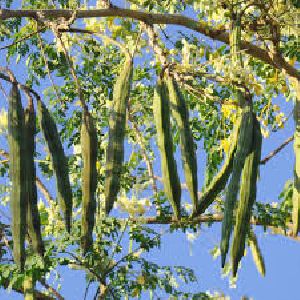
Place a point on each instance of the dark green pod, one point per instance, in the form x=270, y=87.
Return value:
x=247, y=196
x=180, y=113
x=161, y=112
x=220, y=180
x=33, y=217
x=117, y=126
x=89, y=146
x=59, y=161
x=16, y=170
x=243, y=148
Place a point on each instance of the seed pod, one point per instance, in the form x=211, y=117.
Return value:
x=243, y=148
x=33, y=218
x=89, y=148
x=188, y=154
x=220, y=180
x=247, y=197
x=296, y=188
x=59, y=161
x=117, y=125
x=16, y=166
x=161, y=112
x=256, y=253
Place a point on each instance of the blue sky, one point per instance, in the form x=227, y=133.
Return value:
x=281, y=254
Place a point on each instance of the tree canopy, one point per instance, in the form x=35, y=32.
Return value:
x=107, y=110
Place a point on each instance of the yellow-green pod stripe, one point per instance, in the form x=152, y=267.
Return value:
x=59, y=161
x=117, y=126
x=16, y=170
x=33, y=217
x=243, y=148
x=161, y=112
x=247, y=197
x=189, y=161
x=89, y=148
x=256, y=254
x=220, y=180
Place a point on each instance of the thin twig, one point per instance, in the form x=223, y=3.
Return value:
x=144, y=152
x=44, y=190
x=166, y=36
x=52, y=290
x=40, y=41
x=80, y=263
x=97, y=33
x=137, y=41
x=23, y=38
x=11, y=78
x=97, y=293
x=118, y=243
x=125, y=257
x=3, y=91
x=277, y=150
x=73, y=72
x=87, y=289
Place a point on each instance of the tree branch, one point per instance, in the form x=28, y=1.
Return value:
x=52, y=290
x=276, y=151
x=276, y=60
x=10, y=78
x=214, y=218
x=27, y=36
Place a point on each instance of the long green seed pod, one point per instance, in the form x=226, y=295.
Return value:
x=16, y=165
x=220, y=180
x=59, y=161
x=89, y=148
x=33, y=217
x=188, y=153
x=247, y=197
x=161, y=111
x=243, y=148
x=117, y=125
x=256, y=253
x=296, y=188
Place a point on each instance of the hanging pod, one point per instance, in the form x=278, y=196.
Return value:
x=180, y=113
x=256, y=253
x=16, y=171
x=243, y=148
x=220, y=180
x=89, y=146
x=161, y=112
x=33, y=217
x=59, y=161
x=117, y=126
x=247, y=196
x=296, y=187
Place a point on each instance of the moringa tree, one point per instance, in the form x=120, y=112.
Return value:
x=113, y=92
